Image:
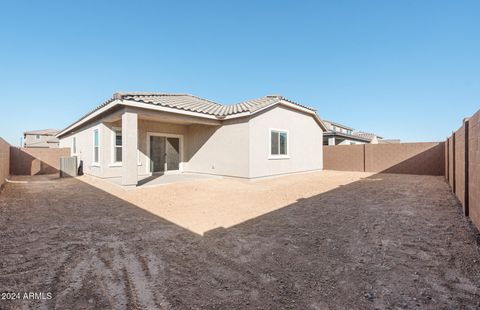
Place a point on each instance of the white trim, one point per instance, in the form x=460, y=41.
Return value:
x=279, y=156
x=89, y=117
x=113, y=146
x=114, y=163
x=168, y=135
x=96, y=163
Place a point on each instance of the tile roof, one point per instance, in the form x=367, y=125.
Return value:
x=46, y=132
x=195, y=104
x=337, y=124
x=365, y=135
x=187, y=102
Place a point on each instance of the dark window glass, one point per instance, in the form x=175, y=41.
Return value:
x=283, y=143
x=274, y=143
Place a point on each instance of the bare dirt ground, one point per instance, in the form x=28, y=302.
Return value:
x=341, y=240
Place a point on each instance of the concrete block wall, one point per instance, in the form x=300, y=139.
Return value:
x=463, y=161
x=459, y=164
x=403, y=158
x=4, y=161
x=451, y=166
x=344, y=157
x=32, y=161
x=474, y=168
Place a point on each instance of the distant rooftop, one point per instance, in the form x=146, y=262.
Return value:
x=44, y=132
x=337, y=124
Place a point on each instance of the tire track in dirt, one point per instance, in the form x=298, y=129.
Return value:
x=125, y=280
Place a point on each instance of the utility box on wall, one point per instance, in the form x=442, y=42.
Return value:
x=68, y=166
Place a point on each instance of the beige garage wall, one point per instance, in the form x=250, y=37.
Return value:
x=305, y=142
x=4, y=161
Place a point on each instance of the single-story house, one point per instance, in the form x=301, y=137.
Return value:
x=44, y=138
x=139, y=134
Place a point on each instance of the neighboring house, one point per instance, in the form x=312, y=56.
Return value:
x=41, y=138
x=338, y=134
x=137, y=134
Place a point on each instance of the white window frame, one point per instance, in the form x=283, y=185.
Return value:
x=113, y=148
x=279, y=156
x=96, y=163
x=167, y=135
x=114, y=163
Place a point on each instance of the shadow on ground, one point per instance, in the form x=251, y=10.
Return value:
x=384, y=241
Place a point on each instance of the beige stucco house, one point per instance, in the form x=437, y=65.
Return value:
x=44, y=138
x=139, y=134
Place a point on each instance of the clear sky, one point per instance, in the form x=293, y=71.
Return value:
x=402, y=69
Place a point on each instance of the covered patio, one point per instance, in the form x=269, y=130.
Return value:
x=149, y=147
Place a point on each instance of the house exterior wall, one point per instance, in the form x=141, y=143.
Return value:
x=84, y=147
x=221, y=150
x=237, y=148
x=107, y=168
x=305, y=142
x=144, y=127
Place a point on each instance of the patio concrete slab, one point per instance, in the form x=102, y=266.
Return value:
x=164, y=179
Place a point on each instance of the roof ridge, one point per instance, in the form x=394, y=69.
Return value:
x=120, y=95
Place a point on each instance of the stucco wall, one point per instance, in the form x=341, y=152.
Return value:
x=144, y=127
x=4, y=161
x=84, y=151
x=305, y=142
x=221, y=150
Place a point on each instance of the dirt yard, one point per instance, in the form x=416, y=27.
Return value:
x=324, y=240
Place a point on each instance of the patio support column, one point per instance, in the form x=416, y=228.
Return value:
x=129, y=148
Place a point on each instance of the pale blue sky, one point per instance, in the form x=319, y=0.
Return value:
x=402, y=69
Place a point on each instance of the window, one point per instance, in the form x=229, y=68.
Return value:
x=117, y=147
x=37, y=137
x=278, y=143
x=74, y=147
x=96, y=147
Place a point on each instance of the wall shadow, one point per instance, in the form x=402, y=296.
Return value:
x=23, y=163
x=344, y=248
x=428, y=162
